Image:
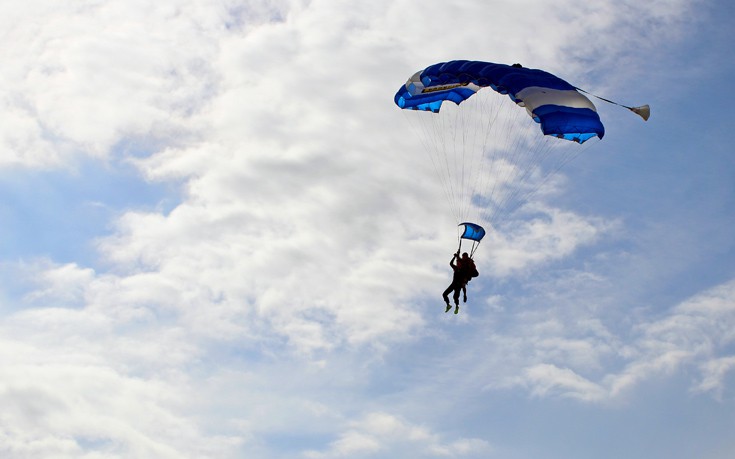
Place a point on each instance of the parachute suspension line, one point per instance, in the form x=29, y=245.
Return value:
x=479, y=141
x=566, y=157
x=431, y=135
x=457, y=148
x=454, y=154
x=497, y=168
x=482, y=125
x=465, y=145
x=505, y=158
x=525, y=161
x=489, y=111
x=469, y=159
x=438, y=124
x=475, y=245
x=550, y=162
x=570, y=151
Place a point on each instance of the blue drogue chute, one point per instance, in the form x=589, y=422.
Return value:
x=472, y=232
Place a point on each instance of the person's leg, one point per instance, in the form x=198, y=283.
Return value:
x=445, y=295
x=457, y=289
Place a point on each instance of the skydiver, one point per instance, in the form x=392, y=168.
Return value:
x=458, y=284
x=467, y=266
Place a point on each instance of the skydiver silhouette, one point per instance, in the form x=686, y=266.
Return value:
x=458, y=284
x=464, y=271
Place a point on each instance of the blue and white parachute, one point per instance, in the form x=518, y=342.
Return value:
x=557, y=105
x=489, y=155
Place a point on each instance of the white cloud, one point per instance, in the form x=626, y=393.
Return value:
x=71, y=389
x=549, y=380
x=554, y=235
x=583, y=361
x=86, y=78
x=378, y=431
x=61, y=284
x=714, y=372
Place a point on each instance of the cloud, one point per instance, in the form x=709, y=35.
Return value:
x=73, y=387
x=380, y=431
x=86, y=79
x=82, y=80
x=588, y=362
x=714, y=372
x=549, y=380
x=62, y=285
x=553, y=235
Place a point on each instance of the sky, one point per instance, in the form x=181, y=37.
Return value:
x=220, y=238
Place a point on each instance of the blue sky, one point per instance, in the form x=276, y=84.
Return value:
x=221, y=239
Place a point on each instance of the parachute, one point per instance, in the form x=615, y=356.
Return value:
x=488, y=155
x=552, y=102
x=472, y=232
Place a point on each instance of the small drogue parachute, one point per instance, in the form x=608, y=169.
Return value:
x=472, y=232
x=487, y=153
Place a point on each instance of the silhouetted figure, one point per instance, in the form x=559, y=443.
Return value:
x=464, y=271
x=457, y=285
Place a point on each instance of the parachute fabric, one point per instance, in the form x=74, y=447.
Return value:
x=552, y=102
x=472, y=231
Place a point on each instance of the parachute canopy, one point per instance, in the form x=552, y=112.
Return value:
x=552, y=102
x=472, y=231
